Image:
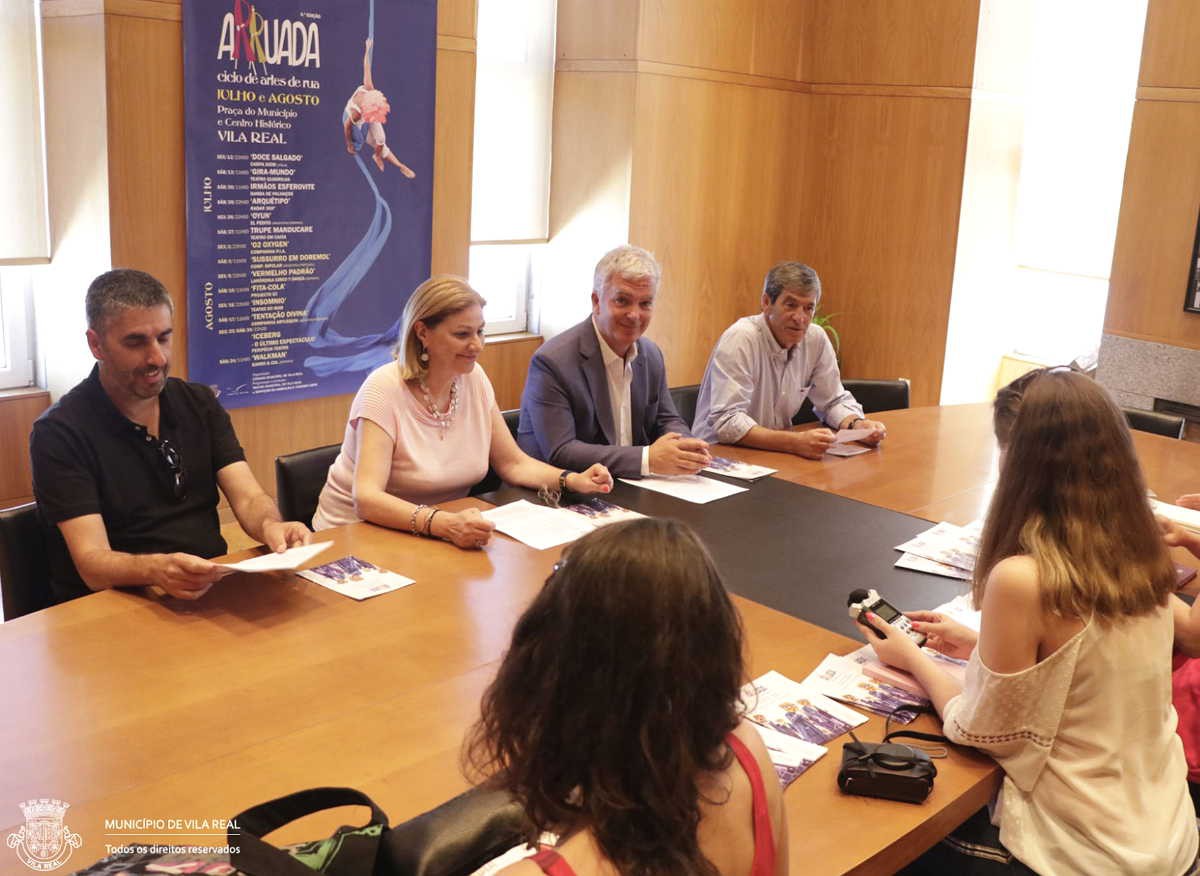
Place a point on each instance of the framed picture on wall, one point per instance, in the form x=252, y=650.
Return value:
x=1192, y=301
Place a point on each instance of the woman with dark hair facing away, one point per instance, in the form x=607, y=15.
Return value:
x=615, y=717
x=1068, y=683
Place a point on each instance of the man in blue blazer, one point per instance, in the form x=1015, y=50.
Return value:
x=598, y=391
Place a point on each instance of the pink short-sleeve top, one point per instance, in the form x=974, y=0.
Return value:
x=428, y=466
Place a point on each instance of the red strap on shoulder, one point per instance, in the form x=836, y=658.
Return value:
x=764, y=840
x=552, y=863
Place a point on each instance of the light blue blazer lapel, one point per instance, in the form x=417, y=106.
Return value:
x=591, y=363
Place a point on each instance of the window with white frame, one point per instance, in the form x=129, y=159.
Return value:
x=514, y=90
x=24, y=226
x=16, y=355
x=1078, y=109
x=24, y=213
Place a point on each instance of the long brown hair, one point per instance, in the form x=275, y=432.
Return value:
x=616, y=695
x=1071, y=495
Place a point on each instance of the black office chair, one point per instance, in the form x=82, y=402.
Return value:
x=512, y=419
x=491, y=481
x=24, y=562
x=879, y=395
x=1155, y=422
x=873, y=395
x=299, y=478
x=685, y=401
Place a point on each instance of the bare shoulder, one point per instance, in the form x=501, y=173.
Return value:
x=1011, y=625
x=749, y=737
x=1013, y=578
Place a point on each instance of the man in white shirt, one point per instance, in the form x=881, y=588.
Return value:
x=765, y=365
x=598, y=391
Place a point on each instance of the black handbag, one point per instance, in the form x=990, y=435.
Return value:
x=887, y=769
x=454, y=839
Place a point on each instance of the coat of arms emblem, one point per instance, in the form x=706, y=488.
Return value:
x=44, y=843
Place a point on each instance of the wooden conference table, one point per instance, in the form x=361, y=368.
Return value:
x=129, y=706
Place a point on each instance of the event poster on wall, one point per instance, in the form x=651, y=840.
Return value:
x=309, y=149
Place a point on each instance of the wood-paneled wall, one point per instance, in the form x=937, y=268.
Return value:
x=891, y=83
x=147, y=197
x=831, y=131
x=1157, y=223
x=704, y=121
x=722, y=134
x=882, y=195
x=719, y=212
x=18, y=409
x=891, y=42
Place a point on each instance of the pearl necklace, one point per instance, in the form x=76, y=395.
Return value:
x=444, y=418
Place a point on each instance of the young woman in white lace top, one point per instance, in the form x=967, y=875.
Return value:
x=1068, y=683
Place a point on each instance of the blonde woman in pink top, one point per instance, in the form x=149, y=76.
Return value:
x=423, y=429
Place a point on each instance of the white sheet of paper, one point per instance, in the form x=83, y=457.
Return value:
x=790, y=756
x=290, y=559
x=355, y=578
x=962, y=609
x=536, y=525
x=873, y=667
x=600, y=512
x=920, y=564
x=844, y=679
x=774, y=699
x=1185, y=517
x=847, y=450
x=845, y=436
x=733, y=468
x=690, y=488
x=946, y=543
x=788, y=751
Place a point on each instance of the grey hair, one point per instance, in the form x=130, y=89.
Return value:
x=791, y=275
x=122, y=289
x=631, y=263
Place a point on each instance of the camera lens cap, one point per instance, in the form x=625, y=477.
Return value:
x=893, y=756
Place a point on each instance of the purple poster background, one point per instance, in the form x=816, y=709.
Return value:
x=301, y=252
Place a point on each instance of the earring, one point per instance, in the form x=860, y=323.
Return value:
x=424, y=357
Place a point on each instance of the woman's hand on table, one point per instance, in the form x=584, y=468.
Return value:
x=596, y=479
x=467, y=529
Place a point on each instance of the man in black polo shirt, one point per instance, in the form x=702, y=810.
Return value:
x=127, y=464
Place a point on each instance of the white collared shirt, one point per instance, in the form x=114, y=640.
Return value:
x=619, y=372
x=752, y=381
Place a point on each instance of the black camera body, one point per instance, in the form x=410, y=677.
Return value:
x=887, y=770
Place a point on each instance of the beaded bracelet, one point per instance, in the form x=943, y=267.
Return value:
x=429, y=522
x=412, y=521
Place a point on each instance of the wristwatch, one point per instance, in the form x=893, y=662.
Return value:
x=562, y=480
